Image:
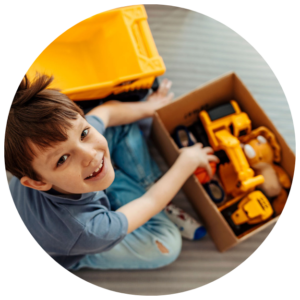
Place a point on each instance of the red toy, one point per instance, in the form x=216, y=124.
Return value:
x=202, y=175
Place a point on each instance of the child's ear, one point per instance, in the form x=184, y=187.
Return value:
x=35, y=184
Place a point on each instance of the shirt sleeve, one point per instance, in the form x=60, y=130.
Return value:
x=103, y=230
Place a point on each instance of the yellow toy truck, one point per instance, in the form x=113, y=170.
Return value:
x=245, y=211
x=107, y=54
x=224, y=125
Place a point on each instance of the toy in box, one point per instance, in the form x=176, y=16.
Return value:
x=252, y=163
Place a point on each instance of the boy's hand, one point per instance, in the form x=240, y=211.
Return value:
x=161, y=97
x=196, y=156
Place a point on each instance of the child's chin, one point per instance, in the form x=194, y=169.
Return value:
x=109, y=180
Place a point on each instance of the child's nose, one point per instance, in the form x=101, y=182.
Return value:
x=88, y=156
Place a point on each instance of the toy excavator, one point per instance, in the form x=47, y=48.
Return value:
x=224, y=125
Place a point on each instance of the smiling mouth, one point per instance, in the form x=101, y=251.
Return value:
x=97, y=171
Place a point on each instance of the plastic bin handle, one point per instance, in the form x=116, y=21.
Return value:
x=144, y=40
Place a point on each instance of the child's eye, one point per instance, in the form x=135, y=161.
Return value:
x=85, y=130
x=58, y=163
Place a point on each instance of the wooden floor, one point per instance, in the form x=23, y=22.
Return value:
x=196, y=49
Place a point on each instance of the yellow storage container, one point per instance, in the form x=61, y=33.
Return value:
x=109, y=53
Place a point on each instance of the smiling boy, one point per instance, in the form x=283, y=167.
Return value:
x=81, y=209
x=81, y=164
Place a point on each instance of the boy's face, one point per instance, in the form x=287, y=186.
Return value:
x=79, y=165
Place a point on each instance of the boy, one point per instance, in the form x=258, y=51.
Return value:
x=78, y=208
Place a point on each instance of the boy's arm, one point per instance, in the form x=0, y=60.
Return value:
x=140, y=210
x=114, y=113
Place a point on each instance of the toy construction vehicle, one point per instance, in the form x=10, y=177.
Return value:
x=105, y=55
x=224, y=125
x=242, y=213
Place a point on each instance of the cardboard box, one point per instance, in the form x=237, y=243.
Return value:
x=185, y=111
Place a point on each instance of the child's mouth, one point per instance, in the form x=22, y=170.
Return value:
x=97, y=171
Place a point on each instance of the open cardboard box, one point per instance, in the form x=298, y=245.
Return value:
x=185, y=111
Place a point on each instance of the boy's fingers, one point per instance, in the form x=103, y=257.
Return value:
x=164, y=87
x=213, y=158
x=199, y=145
x=170, y=96
x=208, y=150
x=208, y=169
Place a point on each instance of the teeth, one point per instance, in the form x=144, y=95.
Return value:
x=97, y=168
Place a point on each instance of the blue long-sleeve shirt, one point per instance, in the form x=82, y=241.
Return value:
x=69, y=227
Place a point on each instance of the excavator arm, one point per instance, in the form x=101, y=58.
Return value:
x=231, y=145
x=223, y=126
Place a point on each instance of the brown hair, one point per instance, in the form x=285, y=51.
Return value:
x=38, y=115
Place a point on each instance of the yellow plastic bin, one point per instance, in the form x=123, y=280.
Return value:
x=109, y=53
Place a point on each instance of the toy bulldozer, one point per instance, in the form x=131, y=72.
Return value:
x=243, y=213
x=223, y=126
